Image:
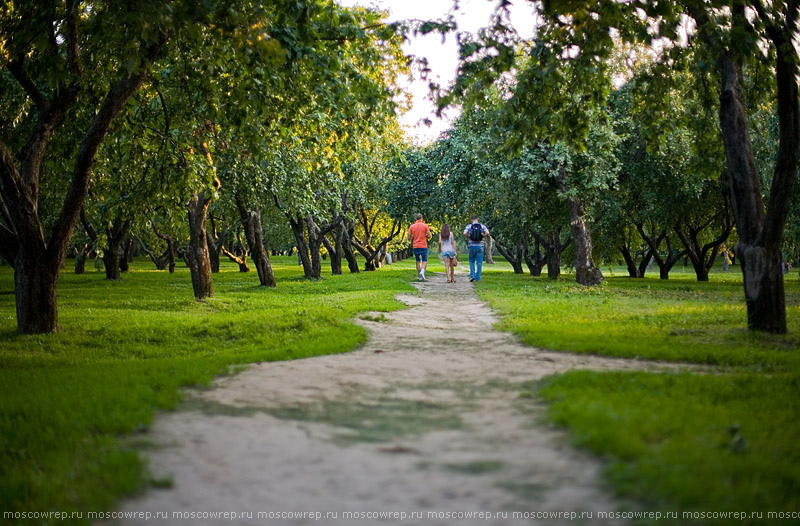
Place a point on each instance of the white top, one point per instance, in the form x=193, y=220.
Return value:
x=447, y=246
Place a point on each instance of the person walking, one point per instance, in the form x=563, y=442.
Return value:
x=419, y=233
x=475, y=233
x=448, y=251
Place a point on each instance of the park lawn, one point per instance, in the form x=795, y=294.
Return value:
x=688, y=443
x=71, y=401
x=674, y=320
x=721, y=441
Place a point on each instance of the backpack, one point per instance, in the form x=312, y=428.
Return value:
x=476, y=232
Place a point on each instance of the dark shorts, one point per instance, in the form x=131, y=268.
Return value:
x=421, y=254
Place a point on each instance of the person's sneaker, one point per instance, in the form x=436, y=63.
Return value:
x=471, y=280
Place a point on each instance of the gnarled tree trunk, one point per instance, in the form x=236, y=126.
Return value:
x=126, y=258
x=702, y=256
x=488, y=248
x=299, y=231
x=35, y=286
x=348, y=227
x=758, y=248
x=630, y=261
x=535, y=261
x=37, y=261
x=115, y=233
x=673, y=256
x=316, y=236
x=172, y=250
x=159, y=261
x=251, y=220
x=553, y=247
x=514, y=255
x=197, y=254
x=586, y=273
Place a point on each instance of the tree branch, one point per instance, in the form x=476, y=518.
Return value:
x=27, y=84
x=73, y=50
x=90, y=231
x=115, y=100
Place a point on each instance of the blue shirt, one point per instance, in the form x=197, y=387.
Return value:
x=472, y=243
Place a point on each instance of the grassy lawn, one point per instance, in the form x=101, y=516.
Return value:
x=682, y=442
x=674, y=320
x=70, y=402
x=126, y=349
x=674, y=442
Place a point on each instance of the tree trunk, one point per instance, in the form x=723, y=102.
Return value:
x=111, y=262
x=758, y=248
x=644, y=263
x=316, y=235
x=127, y=255
x=586, y=273
x=630, y=261
x=370, y=252
x=553, y=247
x=159, y=261
x=299, y=232
x=702, y=256
x=536, y=261
x=514, y=255
x=488, y=248
x=171, y=249
x=335, y=251
x=214, y=249
x=35, y=287
x=240, y=260
x=115, y=234
x=19, y=180
x=81, y=253
x=673, y=256
x=251, y=219
x=216, y=243
x=347, y=249
x=552, y=253
x=197, y=253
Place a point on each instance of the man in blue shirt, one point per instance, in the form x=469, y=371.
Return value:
x=475, y=232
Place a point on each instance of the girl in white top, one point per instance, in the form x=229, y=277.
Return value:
x=448, y=250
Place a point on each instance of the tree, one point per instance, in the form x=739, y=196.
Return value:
x=61, y=56
x=732, y=38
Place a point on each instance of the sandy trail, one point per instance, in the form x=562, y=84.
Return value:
x=426, y=417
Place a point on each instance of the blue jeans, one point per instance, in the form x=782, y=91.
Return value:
x=475, y=257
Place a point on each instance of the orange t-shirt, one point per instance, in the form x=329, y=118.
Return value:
x=419, y=233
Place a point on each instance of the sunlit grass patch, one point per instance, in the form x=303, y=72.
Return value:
x=676, y=320
x=688, y=442
x=127, y=347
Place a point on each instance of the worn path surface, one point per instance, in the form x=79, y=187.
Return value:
x=426, y=417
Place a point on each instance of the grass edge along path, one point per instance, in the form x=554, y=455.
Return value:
x=686, y=442
x=676, y=320
x=694, y=443
x=74, y=405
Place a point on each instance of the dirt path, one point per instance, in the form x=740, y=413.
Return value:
x=426, y=417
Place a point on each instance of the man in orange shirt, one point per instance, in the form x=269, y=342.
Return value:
x=420, y=233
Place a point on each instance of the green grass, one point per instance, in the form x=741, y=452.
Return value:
x=724, y=441
x=73, y=405
x=674, y=320
x=687, y=442
x=70, y=401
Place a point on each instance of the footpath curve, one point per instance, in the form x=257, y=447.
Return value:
x=426, y=418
